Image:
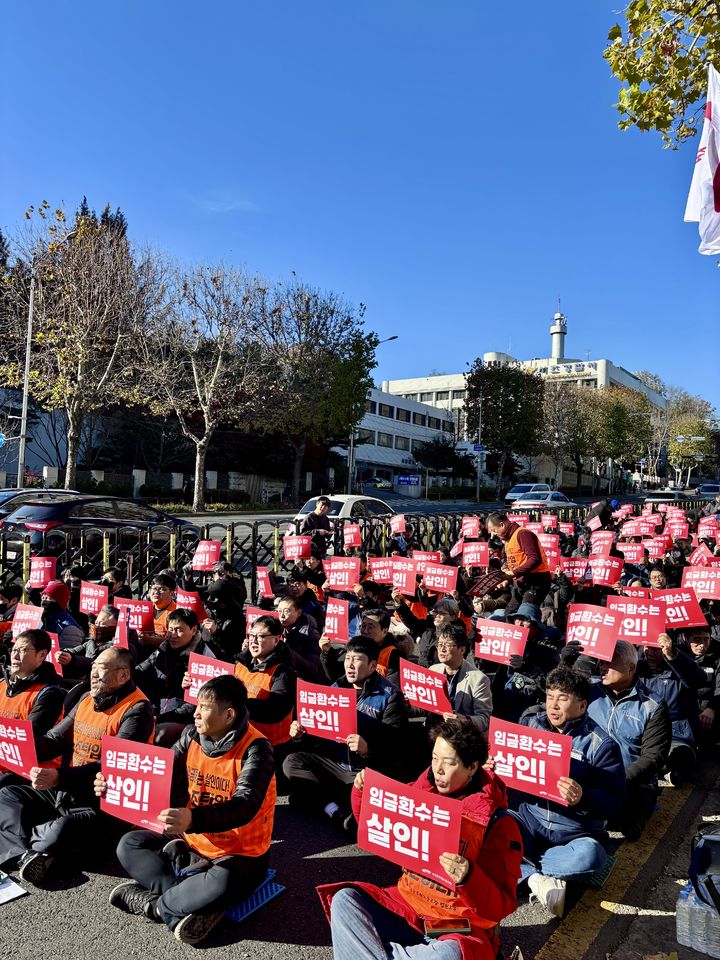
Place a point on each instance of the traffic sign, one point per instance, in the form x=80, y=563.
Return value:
x=2, y=439
x=478, y=447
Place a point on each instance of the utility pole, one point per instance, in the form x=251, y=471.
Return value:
x=26, y=388
x=351, y=460
x=480, y=457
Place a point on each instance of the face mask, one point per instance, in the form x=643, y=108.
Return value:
x=103, y=635
x=50, y=607
x=3, y=607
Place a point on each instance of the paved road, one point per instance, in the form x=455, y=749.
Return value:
x=630, y=918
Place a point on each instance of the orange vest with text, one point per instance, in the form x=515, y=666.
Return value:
x=515, y=556
x=20, y=707
x=91, y=725
x=258, y=686
x=212, y=780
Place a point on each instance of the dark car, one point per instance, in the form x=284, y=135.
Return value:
x=11, y=498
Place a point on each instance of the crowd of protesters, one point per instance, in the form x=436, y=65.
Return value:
x=638, y=722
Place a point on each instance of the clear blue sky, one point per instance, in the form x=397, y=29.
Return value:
x=455, y=166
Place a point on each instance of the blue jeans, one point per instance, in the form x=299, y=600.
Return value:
x=362, y=929
x=577, y=859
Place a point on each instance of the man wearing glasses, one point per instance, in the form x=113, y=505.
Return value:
x=468, y=689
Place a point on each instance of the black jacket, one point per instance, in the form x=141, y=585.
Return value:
x=301, y=642
x=49, y=701
x=281, y=701
x=160, y=679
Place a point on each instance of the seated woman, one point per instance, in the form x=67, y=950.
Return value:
x=374, y=923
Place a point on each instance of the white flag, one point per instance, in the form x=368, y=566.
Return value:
x=703, y=203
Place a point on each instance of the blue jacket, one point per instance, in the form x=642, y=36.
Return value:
x=638, y=724
x=677, y=685
x=596, y=764
x=69, y=633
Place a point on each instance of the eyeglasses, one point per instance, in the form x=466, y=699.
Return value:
x=259, y=636
x=447, y=646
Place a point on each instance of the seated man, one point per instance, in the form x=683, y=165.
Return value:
x=322, y=773
x=706, y=653
x=301, y=637
x=56, y=815
x=468, y=689
x=10, y=596
x=31, y=691
x=565, y=843
x=375, y=625
x=522, y=684
x=426, y=630
x=224, y=804
x=161, y=594
x=640, y=725
x=225, y=625
x=76, y=661
x=54, y=601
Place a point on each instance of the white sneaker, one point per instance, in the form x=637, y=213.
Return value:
x=548, y=891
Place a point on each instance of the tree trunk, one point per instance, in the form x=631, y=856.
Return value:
x=578, y=470
x=300, y=445
x=502, y=460
x=201, y=448
x=73, y=451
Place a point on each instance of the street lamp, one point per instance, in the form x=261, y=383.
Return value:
x=351, y=448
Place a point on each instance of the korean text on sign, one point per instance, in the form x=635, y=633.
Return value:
x=138, y=779
x=424, y=688
x=190, y=600
x=342, y=572
x=682, y=608
x=327, y=712
x=605, y=571
x=476, y=555
x=381, y=569
x=404, y=576
x=705, y=581
x=206, y=555
x=595, y=628
x=93, y=597
x=202, y=669
x=140, y=614
x=470, y=527
x=337, y=620
x=352, y=537
x=408, y=826
x=439, y=577
x=528, y=759
x=641, y=621
x=17, y=746
x=574, y=568
x=297, y=548
x=42, y=571
x=423, y=557
x=263, y=582
x=252, y=614
x=397, y=523
x=26, y=617
x=499, y=641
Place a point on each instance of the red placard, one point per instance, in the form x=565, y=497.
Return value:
x=327, y=712
x=594, y=523
x=423, y=557
x=470, y=527
x=550, y=542
x=705, y=581
x=190, y=600
x=457, y=549
x=529, y=759
x=678, y=529
x=574, y=568
x=440, y=578
x=644, y=592
x=595, y=628
x=42, y=571
x=263, y=582
x=93, y=597
x=601, y=541
x=138, y=779
x=633, y=552
x=140, y=614
x=252, y=613
x=404, y=576
x=605, y=571
x=17, y=746
x=567, y=528
x=202, y=669
x=499, y=641
x=409, y=826
x=337, y=620
x=381, y=569
x=120, y=637
x=640, y=527
x=521, y=519
x=26, y=617
x=397, y=523
x=55, y=651
x=681, y=607
x=476, y=555
x=423, y=688
x=549, y=520
x=534, y=526
x=351, y=535
x=655, y=547
x=708, y=527
x=701, y=556
x=342, y=573
x=297, y=548
x=207, y=554
x=641, y=621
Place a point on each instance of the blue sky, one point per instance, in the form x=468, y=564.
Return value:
x=455, y=166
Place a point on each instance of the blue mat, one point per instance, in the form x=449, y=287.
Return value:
x=266, y=892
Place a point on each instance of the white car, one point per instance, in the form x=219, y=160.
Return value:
x=669, y=495
x=522, y=488
x=345, y=506
x=552, y=500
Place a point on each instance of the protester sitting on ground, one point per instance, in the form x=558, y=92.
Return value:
x=706, y=654
x=426, y=630
x=297, y=588
x=30, y=691
x=640, y=725
x=49, y=823
x=525, y=567
x=376, y=923
x=468, y=689
x=115, y=579
x=321, y=772
x=569, y=843
x=161, y=593
x=669, y=675
x=76, y=661
x=55, y=618
x=301, y=636
x=73, y=577
x=222, y=571
x=375, y=625
x=223, y=806
x=224, y=629
x=657, y=578
x=10, y=596
x=160, y=677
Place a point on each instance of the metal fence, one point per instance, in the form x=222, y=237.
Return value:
x=247, y=545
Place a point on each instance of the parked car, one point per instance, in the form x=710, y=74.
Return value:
x=380, y=483
x=522, y=488
x=707, y=491
x=551, y=500
x=348, y=506
x=668, y=495
x=39, y=517
x=11, y=498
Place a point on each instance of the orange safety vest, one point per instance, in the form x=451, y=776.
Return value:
x=258, y=684
x=515, y=556
x=212, y=780
x=20, y=707
x=91, y=724
x=384, y=659
x=161, y=618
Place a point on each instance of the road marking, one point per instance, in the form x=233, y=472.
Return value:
x=582, y=926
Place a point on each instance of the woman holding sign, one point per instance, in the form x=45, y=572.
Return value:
x=454, y=922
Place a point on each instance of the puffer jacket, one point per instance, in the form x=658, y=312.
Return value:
x=677, y=685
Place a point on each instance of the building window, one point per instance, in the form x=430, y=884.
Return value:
x=426, y=397
x=434, y=423
x=410, y=396
x=419, y=419
x=403, y=415
x=370, y=406
x=442, y=395
x=364, y=436
x=385, y=410
x=402, y=443
x=384, y=439
x=458, y=394
x=448, y=426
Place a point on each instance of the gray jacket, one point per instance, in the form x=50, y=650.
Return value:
x=473, y=698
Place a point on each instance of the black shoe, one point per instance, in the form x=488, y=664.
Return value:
x=34, y=868
x=196, y=926
x=350, y=827
x=130, y=897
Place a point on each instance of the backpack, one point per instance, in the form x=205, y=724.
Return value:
x=704, y=870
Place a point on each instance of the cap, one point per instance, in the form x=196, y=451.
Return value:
x=528, y=611
x=57, y=591
x=446, y=606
